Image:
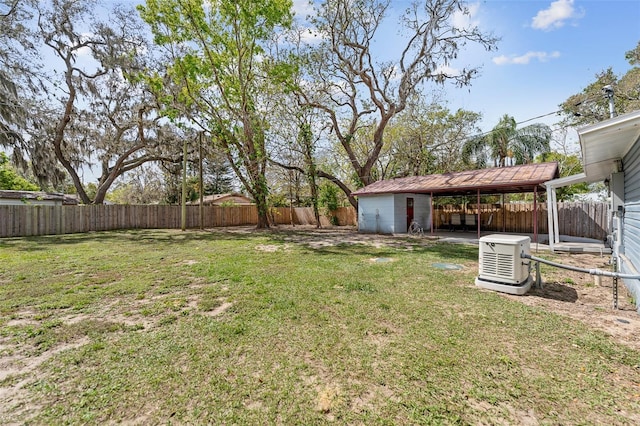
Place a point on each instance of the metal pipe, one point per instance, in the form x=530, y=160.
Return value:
x=594, y=271
x=608, y=91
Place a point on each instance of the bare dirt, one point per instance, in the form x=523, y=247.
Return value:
x=587, y=298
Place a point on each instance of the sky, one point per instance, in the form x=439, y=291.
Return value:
x=549, y=50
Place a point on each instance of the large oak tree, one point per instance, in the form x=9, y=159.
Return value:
x=360, y=87
x=86, y=117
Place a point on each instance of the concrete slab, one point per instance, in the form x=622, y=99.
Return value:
x=576, y=246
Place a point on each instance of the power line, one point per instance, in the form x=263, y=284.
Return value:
x=540, y=116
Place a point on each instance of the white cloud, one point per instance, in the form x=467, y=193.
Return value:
x=310, y=36
x=526, y=58
x=465, y=21
x=446, y=70
x=85, y=51
x=556, y=15
x=302, y=9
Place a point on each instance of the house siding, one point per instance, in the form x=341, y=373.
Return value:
x=631, y=220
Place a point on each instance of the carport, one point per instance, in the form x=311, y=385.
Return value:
x=527, y=178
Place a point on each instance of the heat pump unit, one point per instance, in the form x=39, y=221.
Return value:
x=501, y=267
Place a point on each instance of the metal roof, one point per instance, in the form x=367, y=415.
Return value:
x=604, y=144
x=496, y=180
x=31, y=195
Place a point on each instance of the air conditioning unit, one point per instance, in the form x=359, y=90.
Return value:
x=501, y=267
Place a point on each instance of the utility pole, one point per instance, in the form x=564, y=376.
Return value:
x=201, y=181
x=184, y=186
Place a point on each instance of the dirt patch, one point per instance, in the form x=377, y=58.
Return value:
x=15, y=376
x=329, y=237
x=271, y=248
x=219, y=310
x=381, y=260
x=586, y=298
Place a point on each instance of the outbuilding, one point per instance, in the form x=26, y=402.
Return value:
x=21, y=198
x=393, y=212
x=389, y=206
x=230, y=198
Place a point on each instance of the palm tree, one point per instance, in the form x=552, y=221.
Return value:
x=506, y=141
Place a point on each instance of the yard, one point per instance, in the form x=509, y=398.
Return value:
x=300, y=327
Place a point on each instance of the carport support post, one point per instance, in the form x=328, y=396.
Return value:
x=478, y=207
x=431, y=212
x=535, y=214
x=503, y=213
x=184, y=187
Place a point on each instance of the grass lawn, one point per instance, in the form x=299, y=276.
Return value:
x=151, y=327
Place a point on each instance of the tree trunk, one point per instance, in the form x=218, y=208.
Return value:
x=314, y=200
x=263, y=210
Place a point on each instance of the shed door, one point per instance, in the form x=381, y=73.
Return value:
x=409, y=211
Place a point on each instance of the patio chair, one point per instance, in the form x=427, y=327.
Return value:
x=469, y=221
x=455, y=221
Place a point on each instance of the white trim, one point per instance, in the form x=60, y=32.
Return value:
x=552, y=204
x=550, y=210
x=567, y=180
x=603, y=144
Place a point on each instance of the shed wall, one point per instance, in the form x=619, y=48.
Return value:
x=631, y=222
x=421, y=211
x=376, y=214
x=400, y=211
x=387, y=213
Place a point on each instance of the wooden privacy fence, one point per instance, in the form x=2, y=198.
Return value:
x=590, y=220
x=28, y=220
x=575, y=219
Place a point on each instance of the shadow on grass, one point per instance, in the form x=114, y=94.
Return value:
x=40, y=243
x=303, y=237
x=446, y=252
x=556, y=291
